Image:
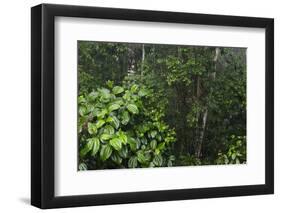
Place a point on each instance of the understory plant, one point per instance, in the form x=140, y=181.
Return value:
x=118, y=129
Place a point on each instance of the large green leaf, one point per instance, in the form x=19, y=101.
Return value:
x=153, y=144
x=122, y=136
x=114, y=121
x=116, y=158
x=132, y=143
x=117, y=90
x=105, y=95
x=93, y=95
x=158, y=160
x=141, y=158
x=161, y=146
x=125, y=118
x=100, y=123
x=92, y=129
x=133, y=108
x=108, y=130
x=113, y=107
x=102, y=113
x=81, y=99
x=133, y=162
x=88, y=146
x=95, y=112
x=109, y=83
x=105, y=137
x=105, y=152
x=127, y=95
x=124, y=152
x=82, y=110
x=96, y=146
x=116, y=143
x=134, y=88
x=142, y=92
x=118, y=101
x=153, y=133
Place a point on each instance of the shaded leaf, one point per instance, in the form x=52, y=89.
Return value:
x=132, y=143
x=88, y=146
x=116, y=158
x=141, y=158
x=153, y=144
x=158, y=160
x=133, y=162
x=105, y=152
x=82, y=167
x=124, y=152
x=142, y=92
x=153, y=134
x=125, y=118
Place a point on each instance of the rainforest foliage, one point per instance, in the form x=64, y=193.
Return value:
x=152, y=105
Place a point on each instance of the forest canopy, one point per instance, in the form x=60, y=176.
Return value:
x=159, y=105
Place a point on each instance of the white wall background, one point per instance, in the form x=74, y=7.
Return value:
x=15, y=105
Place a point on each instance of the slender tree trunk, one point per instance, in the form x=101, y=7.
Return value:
x=201, y=137
x=197, y=91
x=142, y=59
x=198, y=152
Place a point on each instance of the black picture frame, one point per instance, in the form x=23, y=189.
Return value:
x=43, y=102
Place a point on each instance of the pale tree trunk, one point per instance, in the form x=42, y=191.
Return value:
x=198, y=152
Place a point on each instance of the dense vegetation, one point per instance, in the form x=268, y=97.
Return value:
x=148, y=105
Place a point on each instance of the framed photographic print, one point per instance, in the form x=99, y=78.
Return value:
x=139, y=106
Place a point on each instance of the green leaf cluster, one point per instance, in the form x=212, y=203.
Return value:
x=118, y=130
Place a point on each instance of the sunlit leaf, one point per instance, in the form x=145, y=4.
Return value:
x=105, y=137
x=108, y=129
x=92, y=129
x=100, y=123
x=117, y=90
x=133, y=108
x=113, y=107
x=116, y=143
x=96, y=146
x=114, y=121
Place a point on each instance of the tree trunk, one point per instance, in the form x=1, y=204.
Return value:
x=142, y=59
x=198, y=152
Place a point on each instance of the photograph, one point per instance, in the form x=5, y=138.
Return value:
x=143, y=105
x=133, y=105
